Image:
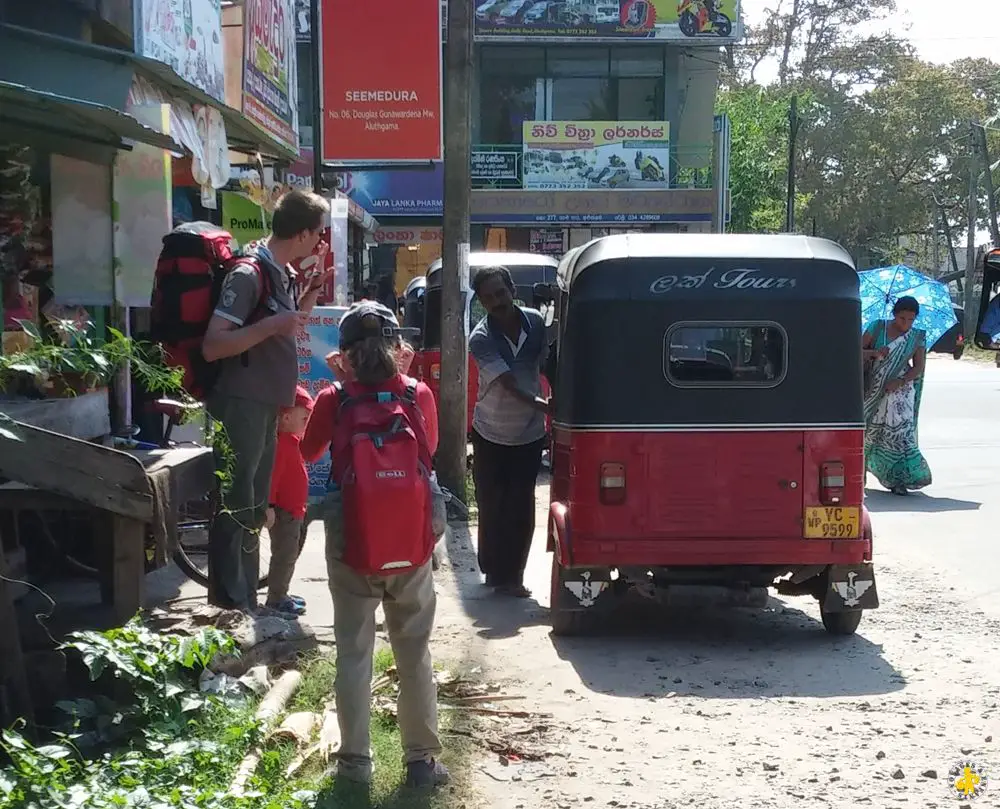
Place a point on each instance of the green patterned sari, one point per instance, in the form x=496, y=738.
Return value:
x=891, y=451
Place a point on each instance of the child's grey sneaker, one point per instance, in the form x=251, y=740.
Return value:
x=428, y=773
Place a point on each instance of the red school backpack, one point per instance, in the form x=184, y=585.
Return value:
x=194, y=261
x=382, y=464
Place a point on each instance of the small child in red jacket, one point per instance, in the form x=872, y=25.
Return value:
x=288, y=502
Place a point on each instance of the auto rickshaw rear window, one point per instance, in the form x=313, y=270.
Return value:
x=725, y=355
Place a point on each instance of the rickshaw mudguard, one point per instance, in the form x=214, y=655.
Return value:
x=577, y=588
x=558, y=533
x=849, y=588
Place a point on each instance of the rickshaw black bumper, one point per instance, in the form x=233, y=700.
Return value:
x=850, y=587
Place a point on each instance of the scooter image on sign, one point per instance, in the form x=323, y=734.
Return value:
x=702, y=18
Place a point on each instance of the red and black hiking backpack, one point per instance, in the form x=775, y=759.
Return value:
x=382, y=464
x=194, y=261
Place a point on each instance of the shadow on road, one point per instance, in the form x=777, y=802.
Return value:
x=648, y=650
x=919, y=502
x=493, y=616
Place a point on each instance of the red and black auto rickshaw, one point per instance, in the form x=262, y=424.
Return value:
x=527, y=270
x=709, y=427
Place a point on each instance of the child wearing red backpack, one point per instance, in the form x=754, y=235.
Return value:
x=382, y=429
x=288, y=501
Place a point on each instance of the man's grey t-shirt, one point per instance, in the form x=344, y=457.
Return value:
x=500, y=417
x=271, y=371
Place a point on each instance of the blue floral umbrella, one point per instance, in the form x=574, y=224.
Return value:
x=882, y=287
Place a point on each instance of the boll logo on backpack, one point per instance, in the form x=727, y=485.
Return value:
x=382, y=464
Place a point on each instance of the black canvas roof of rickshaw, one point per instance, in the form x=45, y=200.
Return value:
x=711, y=246
x=494, y=258
x=517, y=263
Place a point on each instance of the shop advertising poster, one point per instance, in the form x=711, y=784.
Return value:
x=270, y=79
x=575, y=155
x=396, y=192
x=82, y=234
x=338, y=249
x=242, y=217
x=381, y=81
x=187, y=36
x=320, y=336
x=662, y=20
x=143, y=209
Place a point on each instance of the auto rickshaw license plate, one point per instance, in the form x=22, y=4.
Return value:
x=833, y=522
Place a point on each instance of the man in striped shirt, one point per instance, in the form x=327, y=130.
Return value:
x=510, y=348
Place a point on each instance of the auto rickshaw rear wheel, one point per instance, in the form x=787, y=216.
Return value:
x=841, y=623
x=566, y=623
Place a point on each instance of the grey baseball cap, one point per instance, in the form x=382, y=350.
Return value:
x=368, y=318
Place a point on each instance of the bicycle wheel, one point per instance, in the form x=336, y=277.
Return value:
x=191, y=555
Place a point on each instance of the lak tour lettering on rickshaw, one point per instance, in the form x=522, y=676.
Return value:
x=731, y=279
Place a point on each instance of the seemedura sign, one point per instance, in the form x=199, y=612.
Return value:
x=381, y=81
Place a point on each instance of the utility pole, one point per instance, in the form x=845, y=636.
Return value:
x=991, y=200
x=946, y=227
x=316, y=70
x=970, y=241
x=452, y=458
x=793, y=133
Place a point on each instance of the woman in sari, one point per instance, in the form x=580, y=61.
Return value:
x=895, y=354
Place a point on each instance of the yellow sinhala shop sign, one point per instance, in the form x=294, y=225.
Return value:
x=568, y=155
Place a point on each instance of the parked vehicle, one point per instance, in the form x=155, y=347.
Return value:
x=413, y=307
x=527, y=270
x=952, y=341
x=988, y=322
x=709, y=427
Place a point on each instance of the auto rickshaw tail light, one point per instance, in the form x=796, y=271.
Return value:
x=436, y=371
x=612, y=484
x=831, y=483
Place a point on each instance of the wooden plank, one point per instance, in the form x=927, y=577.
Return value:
x=85, y=416
x=191, y=468
x=128, y=566
x=15, y=699
x=20, y=496
x=103, y=477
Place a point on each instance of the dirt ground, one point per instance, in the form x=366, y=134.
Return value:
x=751, y=708
x=757, y=708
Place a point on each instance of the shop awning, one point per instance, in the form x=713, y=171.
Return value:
x=27, y=109
x=78, y=70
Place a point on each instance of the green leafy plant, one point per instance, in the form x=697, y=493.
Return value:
x=72, y=359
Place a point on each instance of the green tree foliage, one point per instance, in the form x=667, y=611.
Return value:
x=759, y=129
x=883, y=134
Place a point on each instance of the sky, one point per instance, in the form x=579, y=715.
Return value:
x=934, y=28
x=941, y=32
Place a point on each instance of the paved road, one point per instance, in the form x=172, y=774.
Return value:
x=952, y=526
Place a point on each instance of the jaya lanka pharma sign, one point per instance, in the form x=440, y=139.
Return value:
x=270, y=80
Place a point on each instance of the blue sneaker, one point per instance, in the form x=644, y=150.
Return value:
x=290, y=607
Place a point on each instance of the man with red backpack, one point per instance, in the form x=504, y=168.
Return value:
x=382, y=429
x=251, y=339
